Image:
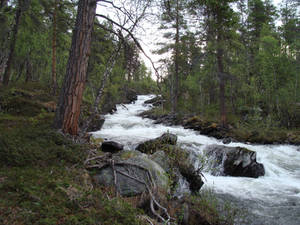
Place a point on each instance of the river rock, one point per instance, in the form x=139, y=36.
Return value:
x=233, y=161
x=153, y=145
x=109, y=107
x=226, y=140
x=131, y=96
x=132, y=164
x=111, y=146
x=180, y=164
x=156, y=101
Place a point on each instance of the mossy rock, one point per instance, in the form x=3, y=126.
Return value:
x=136, y=165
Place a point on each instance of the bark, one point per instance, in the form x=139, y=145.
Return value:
x=176, y=78
x=20, y=71
x=7, y=72
x=220, y=56
x=68, y=111
x=29, y=76
x=54, y=32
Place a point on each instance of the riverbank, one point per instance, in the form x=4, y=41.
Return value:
x=245, y=133
x=44, y=180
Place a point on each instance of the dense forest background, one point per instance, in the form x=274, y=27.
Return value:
x=237, y=59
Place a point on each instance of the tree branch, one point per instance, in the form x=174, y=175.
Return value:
x=136, y=43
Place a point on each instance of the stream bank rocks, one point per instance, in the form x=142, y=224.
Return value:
x=111, y=146
x=213, y=129
x=134, y=172
x=153, y=145
x=178, y=162
x=233, y=161
x=156, y=101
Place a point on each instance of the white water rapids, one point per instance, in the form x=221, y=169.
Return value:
x=274, y=198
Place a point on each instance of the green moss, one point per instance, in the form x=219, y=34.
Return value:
x=33, y=141
x=54, y=195
x=42, y=180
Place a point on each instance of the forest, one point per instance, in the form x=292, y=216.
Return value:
x=229, y=61
x=228, y=69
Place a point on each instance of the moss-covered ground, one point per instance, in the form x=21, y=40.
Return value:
x=42, y=178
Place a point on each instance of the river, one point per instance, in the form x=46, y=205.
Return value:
x=273, y=199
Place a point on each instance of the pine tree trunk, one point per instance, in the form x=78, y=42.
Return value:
x=54, y=80
x=220, y=56
x=7, y=72
x=68, y=111
x=176, y=80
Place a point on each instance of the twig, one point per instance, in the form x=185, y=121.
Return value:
x=152, y=199
x=124, y=106
x=115, y=177
x=96, y=157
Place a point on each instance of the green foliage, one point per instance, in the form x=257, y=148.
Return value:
x=207, y=208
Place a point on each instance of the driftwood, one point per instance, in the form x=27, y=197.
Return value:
x=105, y=160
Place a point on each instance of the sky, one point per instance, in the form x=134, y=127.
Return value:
x=147, y=33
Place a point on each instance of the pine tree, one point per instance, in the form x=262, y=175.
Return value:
x=173, y=21
x=67, y=114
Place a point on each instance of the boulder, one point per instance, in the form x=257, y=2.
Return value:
x=131, y=96
x=111, y=146
x=156, y=101
x=109, y=107
x=226, y=140
x=187, y=165
x=180, y=163
x=135, y=165
x=153, y=145
x=233, y=161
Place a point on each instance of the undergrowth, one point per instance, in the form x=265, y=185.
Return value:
x=42, y=177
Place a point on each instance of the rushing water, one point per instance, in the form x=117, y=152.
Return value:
x=271, y=199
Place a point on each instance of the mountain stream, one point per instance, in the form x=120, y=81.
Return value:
x=273, y=199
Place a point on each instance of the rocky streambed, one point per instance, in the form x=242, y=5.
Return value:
x=262, y=179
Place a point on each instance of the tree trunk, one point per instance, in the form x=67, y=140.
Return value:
x=28, y=76
x=220, y=55
x=176, y=80
x=7, y=72
x=108, y=70
x=68, y=111
x=54, y=80
x=20, y=71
